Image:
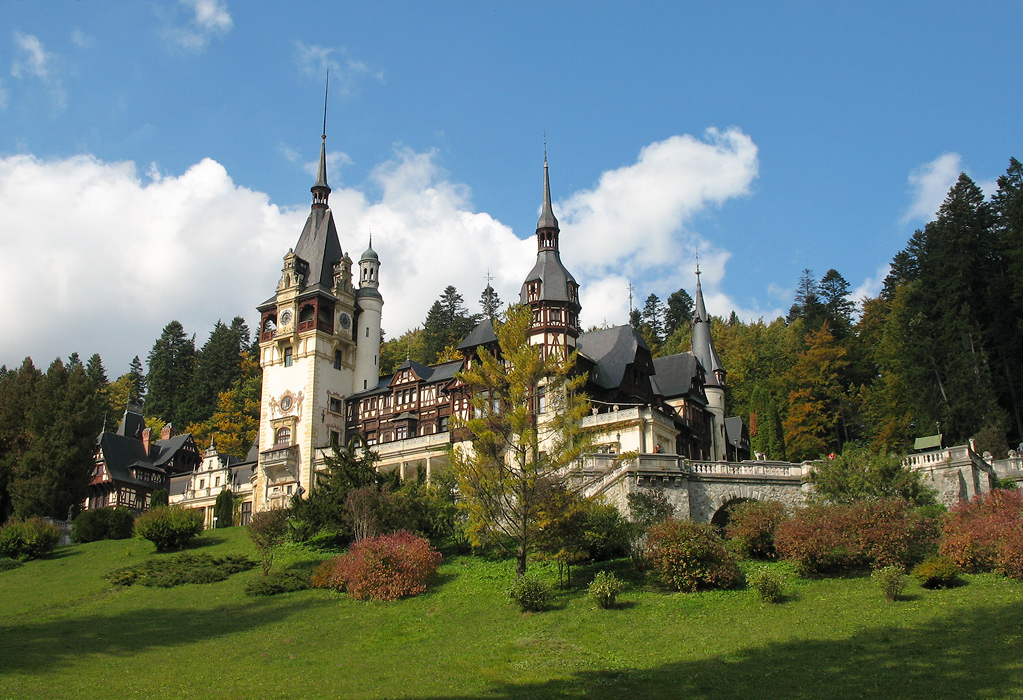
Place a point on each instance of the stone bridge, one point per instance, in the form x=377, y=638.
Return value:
x=698, y=490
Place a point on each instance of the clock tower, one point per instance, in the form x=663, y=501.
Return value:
x=309, y=349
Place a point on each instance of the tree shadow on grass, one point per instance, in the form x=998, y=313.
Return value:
x=969, y=654
x=39, y=647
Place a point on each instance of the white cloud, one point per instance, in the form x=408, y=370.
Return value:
x=119, y=254
x=81, y=39
x=208, y=19
x=34, y=61
x=313, y=61
x=871, y=286
x=929, y=184
x=638, y=220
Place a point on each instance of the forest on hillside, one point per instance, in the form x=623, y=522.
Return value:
x=939, y=350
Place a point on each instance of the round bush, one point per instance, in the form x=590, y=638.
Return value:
x=28, y=539
x=937, y=572
x=102, y=524
x=689, y=556
x=604, y=589
x=120, y=524
x=833, y=538
x=981, y=534
x=168, y=527
x=752, y=528
x=382, y=568
x=532, y=594
x=767, y=584
x=891, y=580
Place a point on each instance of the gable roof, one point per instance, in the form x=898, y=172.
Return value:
x=121, y=453
x=674, y=374
x=482, y=334
x=166, y=449
x=611, y=350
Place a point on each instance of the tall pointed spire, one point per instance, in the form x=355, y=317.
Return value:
x=547, y=218
x=320, y=190
x=703, y=344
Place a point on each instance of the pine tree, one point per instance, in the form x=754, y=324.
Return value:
x=490, y=302
x=838, y=308
x=652, y=318
x=217, y=367
x=807, y=305
x=17, y=395
x=53, y=473
x=97, y=375
x=138, y=382
x=235, y=421
x=171, y=365
x=520, y=443
x=679, y=311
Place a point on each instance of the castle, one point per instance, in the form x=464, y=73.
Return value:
x=319, y=344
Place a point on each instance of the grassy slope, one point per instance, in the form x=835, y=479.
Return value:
x=65, y=633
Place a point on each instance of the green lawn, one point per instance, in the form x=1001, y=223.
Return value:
x=66, y=633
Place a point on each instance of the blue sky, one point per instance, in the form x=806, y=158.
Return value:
x=155, y=156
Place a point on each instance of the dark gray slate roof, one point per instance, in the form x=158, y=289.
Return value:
x=482, y=334
x=703, y=344
x=166, y=449
x=733, y=429
x=612, y=350
x=319, y=247
x=674, y=374
x=132, y=424
x=553, y=276
x=121, y=453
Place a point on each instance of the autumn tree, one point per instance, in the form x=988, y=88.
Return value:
x=234, y=424
x=812, y=424
x=523, y=433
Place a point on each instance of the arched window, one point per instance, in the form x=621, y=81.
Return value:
x=283, y=436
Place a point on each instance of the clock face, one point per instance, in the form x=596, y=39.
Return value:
x=344, y=320
x=286, y=317
x=286, y=403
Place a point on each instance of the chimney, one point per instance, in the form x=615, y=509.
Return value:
x=147, y=435
x=167, y=432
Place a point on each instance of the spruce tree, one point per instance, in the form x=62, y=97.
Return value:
x=171, y=365
x=679, y=311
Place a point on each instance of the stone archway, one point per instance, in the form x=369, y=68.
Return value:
x=723, y=514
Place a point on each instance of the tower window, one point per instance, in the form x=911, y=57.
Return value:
x=283, y=437
x=289, y=359
x=337, y=359
x=335, y=405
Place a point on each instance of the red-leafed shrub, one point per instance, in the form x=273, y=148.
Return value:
x=984, y=534
x=833, y=538
x=689, y=556
x=383, y=568
x=752, y=528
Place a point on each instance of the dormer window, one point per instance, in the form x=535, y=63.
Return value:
x=533, y=290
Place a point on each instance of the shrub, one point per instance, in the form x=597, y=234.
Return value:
x=103, y=524
x=532, y=594
x=689, y=555
x=891, y=580
x=168, y=527
x=974, y=531
x=278, y=582
x=382, y=568
x=607, y=535
x=223, y=509
x=833, y=538
x=937, y=572
x=752, y=527
x=268, y=530
x=160, y=498
x=180, y=569
x=604, y=589
x=28, y=539
x=6, y=564
x=1010, y=554
x=768, y=585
